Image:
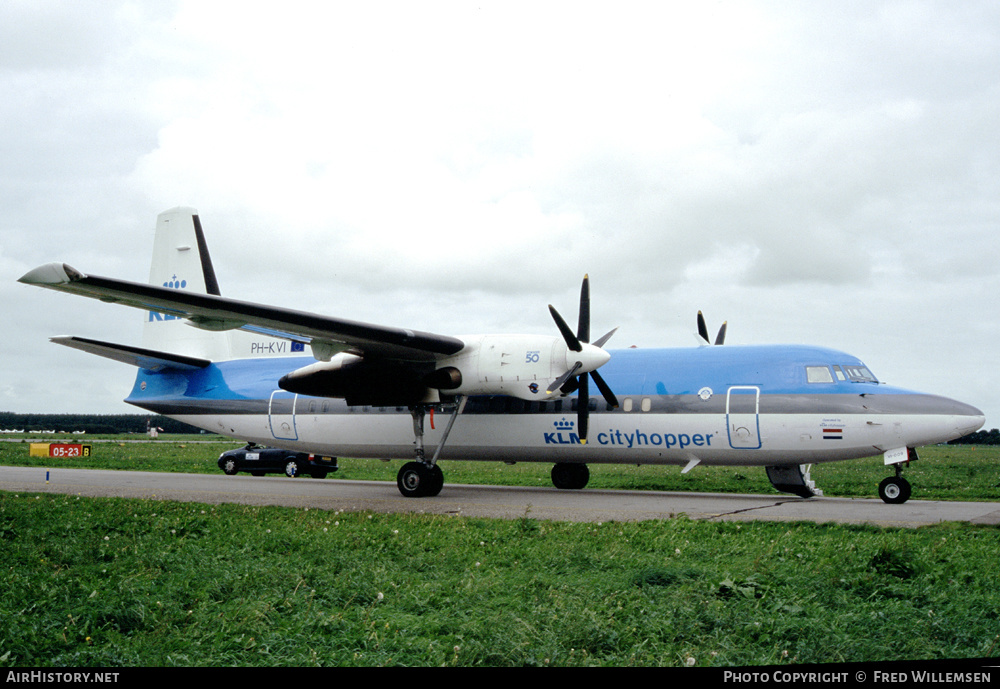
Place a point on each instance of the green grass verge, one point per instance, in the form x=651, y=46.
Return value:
x=116, y=582
x=945, y=472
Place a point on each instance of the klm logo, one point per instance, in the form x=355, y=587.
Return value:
x=173, y=283
x=565, y=434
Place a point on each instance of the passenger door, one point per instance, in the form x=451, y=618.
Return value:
x=743, y=417
x=281, y=414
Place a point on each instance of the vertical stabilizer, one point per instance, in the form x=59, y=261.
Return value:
x=181, y=261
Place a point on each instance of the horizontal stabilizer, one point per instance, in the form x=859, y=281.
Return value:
x=137, y=356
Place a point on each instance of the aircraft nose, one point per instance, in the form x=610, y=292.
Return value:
x=929, y=419
x=970, y=421
x=963, y=418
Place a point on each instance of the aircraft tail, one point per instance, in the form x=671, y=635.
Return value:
x=181, y=261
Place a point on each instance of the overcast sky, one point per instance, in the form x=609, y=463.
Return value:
x=815, y=172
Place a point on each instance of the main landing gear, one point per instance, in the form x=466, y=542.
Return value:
x=420, y=480
x=423, y=478
x=570, y=476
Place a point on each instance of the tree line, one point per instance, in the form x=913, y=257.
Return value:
x=93, y=423
x=990, y=437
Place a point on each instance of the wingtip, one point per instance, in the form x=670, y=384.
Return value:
x=51, y=274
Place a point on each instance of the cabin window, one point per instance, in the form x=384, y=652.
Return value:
x=839, y=373
x=819, y=374
x=647, y=404
x=627, y=404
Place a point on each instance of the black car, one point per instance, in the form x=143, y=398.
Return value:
x=264, y=460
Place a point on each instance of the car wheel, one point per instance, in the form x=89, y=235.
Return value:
x=291, y=468
x=229, y=467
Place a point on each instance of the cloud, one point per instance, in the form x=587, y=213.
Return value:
x=823, y=173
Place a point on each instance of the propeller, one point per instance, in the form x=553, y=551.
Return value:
x=590, y=357
x=703, y=331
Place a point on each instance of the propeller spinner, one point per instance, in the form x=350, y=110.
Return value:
x=587, y=359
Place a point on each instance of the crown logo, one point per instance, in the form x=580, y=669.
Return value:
x=563, y=425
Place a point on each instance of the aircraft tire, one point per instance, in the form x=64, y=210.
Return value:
x=894, y=490
x=417, y=480
x=436, y=483
x=566, y=476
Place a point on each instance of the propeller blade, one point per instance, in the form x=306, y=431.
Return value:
x=721, y=337
x=609, y=396
x=702, y=328
x=570, y=386
x=604, y=338
x=561, y=380
x=571, y=340
x=570, y=381
x=583, y=324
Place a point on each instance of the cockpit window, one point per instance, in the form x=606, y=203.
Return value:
x=859, y=374
x=852, y=373
x=818, y=374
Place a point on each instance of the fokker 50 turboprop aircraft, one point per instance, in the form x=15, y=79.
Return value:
x=329, y=386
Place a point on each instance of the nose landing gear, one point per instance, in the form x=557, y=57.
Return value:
x=895, y=490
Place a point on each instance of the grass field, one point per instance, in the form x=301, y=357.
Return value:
x=114, y=582
x=944, y=472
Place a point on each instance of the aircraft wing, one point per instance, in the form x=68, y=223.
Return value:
x=327, y=335
x=137, y=356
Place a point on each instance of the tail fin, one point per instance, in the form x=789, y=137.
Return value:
x=180, y=253
x=181, y=261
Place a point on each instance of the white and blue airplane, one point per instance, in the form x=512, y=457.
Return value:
x=328, y=386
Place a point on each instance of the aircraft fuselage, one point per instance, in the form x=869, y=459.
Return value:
x=729, y=405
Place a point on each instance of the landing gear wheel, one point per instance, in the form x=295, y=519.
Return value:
x=291, y=468
x=436, y=483
x=570, y=476
x=417, y=480
x=894, y=490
